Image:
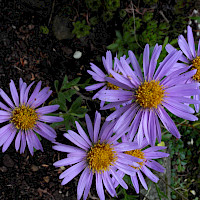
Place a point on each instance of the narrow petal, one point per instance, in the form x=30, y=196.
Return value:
x=142, y=180
x=180, y=113
x=4, y=107
x=168, y=122
x=135, y=65
x=6, y=98
x=82, y=182
x=108, y=184
x=14, y=93
x=149, y=174
x=190, y=39
x=89, y=127
x=23, y=142
x=17, y=140
x=146, y=61
x=184, y=46
x=22, y=92
x=50, y=119
x=68, y=161
x=47, y=109
x=66, y=148
x=71, y=172
x=118, y=178
x=88, y=185
x=35, y=92
x=155, y=155
x=97, y=123
x=97, y=70
x=99, y=186
x=82, y=133
x=26, y=92
x=94, y=87
x=135, y=183
x=9, y=140
x=155, y=165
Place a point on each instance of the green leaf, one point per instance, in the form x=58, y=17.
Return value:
x=71, y=83
x=118, y=34
x=69, y=93
x=65, y=81
x=76, y=105
x=62, y=101
x=165, y=42
x=112, y=46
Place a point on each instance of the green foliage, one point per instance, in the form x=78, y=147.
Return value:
x=150, y=2
x=123, y=43
x=107, y=16
x=44, y=30
x=94, y=5
x=81, y=29
x=128, y=25
x=112, y=5
x=70, y=112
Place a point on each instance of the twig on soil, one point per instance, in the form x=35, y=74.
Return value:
x=52, y=10
x=161, y=12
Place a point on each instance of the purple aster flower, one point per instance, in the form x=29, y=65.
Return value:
x=191, y=59
x=104, y=78
x=150, y=94
x=148, y=155
x=98, y=155
x=25, y=118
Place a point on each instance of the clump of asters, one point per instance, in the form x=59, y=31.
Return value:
x=26, y=118
x=190, y=60
x=146, y=95
x=98, y=155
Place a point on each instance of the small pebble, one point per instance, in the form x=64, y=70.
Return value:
x=34, y=168
x=77, y=55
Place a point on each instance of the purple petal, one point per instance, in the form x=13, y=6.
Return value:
x=190, y=39
x=97, y=70
x=97, y=122
x=66, y=148
x=36, y=142
x=47, y=109
x=155, y=155
x=99, y=186
x=142, y=180
x=14, y=93
x=17, y=140
x=135, y=183
x=94, y=87
x=26, y=92
x=118, y=112
x=46, y=129
x=118, y=178
x=168, y=122
x=155, y=166
x=50, y=119
x=88, y=185
x=23, y=142
x=184, y=46
x=95, y=76
x=83, y=134
x=155, y=148
x=153, y=61
x=68, y=161
x=89, y=127
x=35, y=92
x=149, y=174
x=71, y=172
x=80, y=142
x=198, y=51
x=29, y=142
x=6, y=98
x=117, y=83
x=146, y=61
x=108, y=184
x=135, y=65
x=82, y=182
x=180, y=113
x=22, y=92
x=4, y=107
x=9, y=140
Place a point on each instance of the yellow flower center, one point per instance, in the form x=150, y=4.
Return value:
x=150, y=94
x=112, y=86
x=24, y=118
x=139, y=154
x=196, y=65
x=100, y=157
